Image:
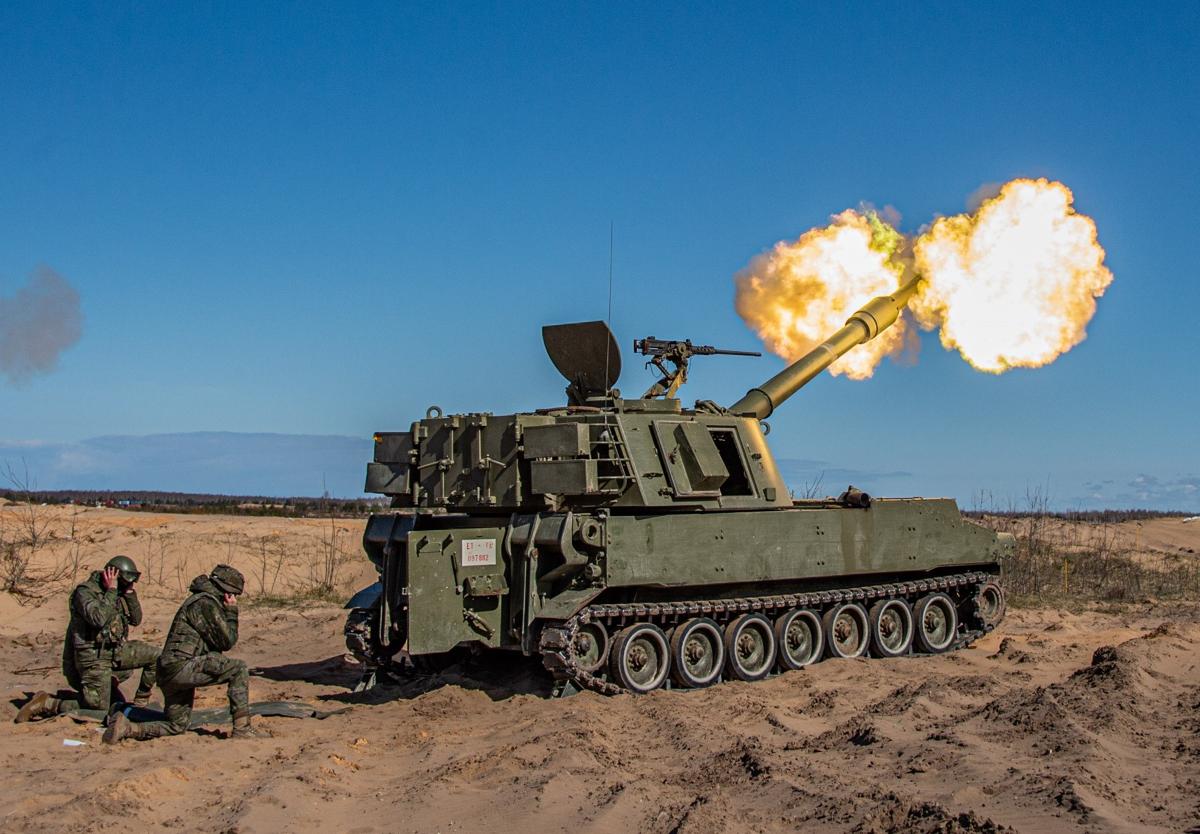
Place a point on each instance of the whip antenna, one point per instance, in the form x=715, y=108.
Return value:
x=608, y=321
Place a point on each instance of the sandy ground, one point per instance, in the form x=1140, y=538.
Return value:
x=277, y=555
x=1057, y=722
x=1149, y=541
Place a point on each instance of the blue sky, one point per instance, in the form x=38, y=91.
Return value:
x=316, y=220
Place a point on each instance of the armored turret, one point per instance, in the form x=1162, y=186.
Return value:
x=602, y=450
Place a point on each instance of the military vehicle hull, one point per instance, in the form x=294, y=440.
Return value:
x=498, y=582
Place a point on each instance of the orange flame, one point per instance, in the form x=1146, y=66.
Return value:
x=797, y=294
x=1014, y=284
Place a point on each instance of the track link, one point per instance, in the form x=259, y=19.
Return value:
x=557, y=642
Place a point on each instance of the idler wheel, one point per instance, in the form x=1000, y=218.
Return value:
x=891, y=628
x=936, y=619
x=846, y=630
x=800, y=638
x=591, y=646
x=749, y=647
x=640, y=658
x=990, y=604
x=697, y=653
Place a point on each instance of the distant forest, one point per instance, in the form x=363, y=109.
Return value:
x=187, y=502
x=1086, y=516
x=302, y=506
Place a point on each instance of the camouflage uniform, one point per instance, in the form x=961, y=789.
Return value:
x=96, y=654
x=203, y=628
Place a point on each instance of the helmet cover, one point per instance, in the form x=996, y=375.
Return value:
x=228, y=579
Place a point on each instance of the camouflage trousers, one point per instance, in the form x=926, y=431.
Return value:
x=179, y=686
x=94, y=673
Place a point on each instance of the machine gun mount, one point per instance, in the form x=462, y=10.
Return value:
x=677, y=353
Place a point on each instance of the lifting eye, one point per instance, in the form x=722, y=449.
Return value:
x=591, y=533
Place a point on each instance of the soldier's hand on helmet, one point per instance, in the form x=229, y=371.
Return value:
x=231, y=601
x=109, y=579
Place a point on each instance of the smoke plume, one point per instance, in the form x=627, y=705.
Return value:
x=37, y=323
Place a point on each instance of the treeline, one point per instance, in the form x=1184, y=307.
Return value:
x=204, y=503
x=1085, y=516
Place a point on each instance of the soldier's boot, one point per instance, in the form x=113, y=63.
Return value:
x=41, y=705
x=141, y=699
x=243, y=729
x=119, y=728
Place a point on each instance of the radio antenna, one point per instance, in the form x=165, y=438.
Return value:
x=610, y=272
x=608, y=321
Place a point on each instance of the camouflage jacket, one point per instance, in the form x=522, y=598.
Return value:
x=202, y=625
x=101, y=617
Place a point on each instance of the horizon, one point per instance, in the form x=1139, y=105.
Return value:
x=280, y=464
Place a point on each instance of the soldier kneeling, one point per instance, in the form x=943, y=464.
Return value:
x=96, y=655
x=205, y=625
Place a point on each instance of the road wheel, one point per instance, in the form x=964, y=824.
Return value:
x=591, y=646
x=749, y=647
x=936, y=621
x=697, y=653
x=990, y=604
x=639, y=659
x=800, y=638
x=891, y=628
x=846, y=630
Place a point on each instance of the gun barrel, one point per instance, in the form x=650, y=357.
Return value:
x=876, y=315
x=651, y=346
x=707, y=350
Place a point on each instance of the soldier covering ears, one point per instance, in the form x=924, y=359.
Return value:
x=97, y=655
x=205, y=626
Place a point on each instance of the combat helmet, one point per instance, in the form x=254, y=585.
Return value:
x=125, y=568
x=228, y=579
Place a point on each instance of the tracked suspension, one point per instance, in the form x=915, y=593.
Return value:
x=560, y=648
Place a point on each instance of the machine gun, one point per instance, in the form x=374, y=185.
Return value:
x=677, y=353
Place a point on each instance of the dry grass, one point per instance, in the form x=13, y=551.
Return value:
x=26, y=533
x=300, y=566
x=45, y=551
x=1061, y=559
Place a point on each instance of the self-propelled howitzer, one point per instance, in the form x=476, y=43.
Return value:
x=633, y=543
